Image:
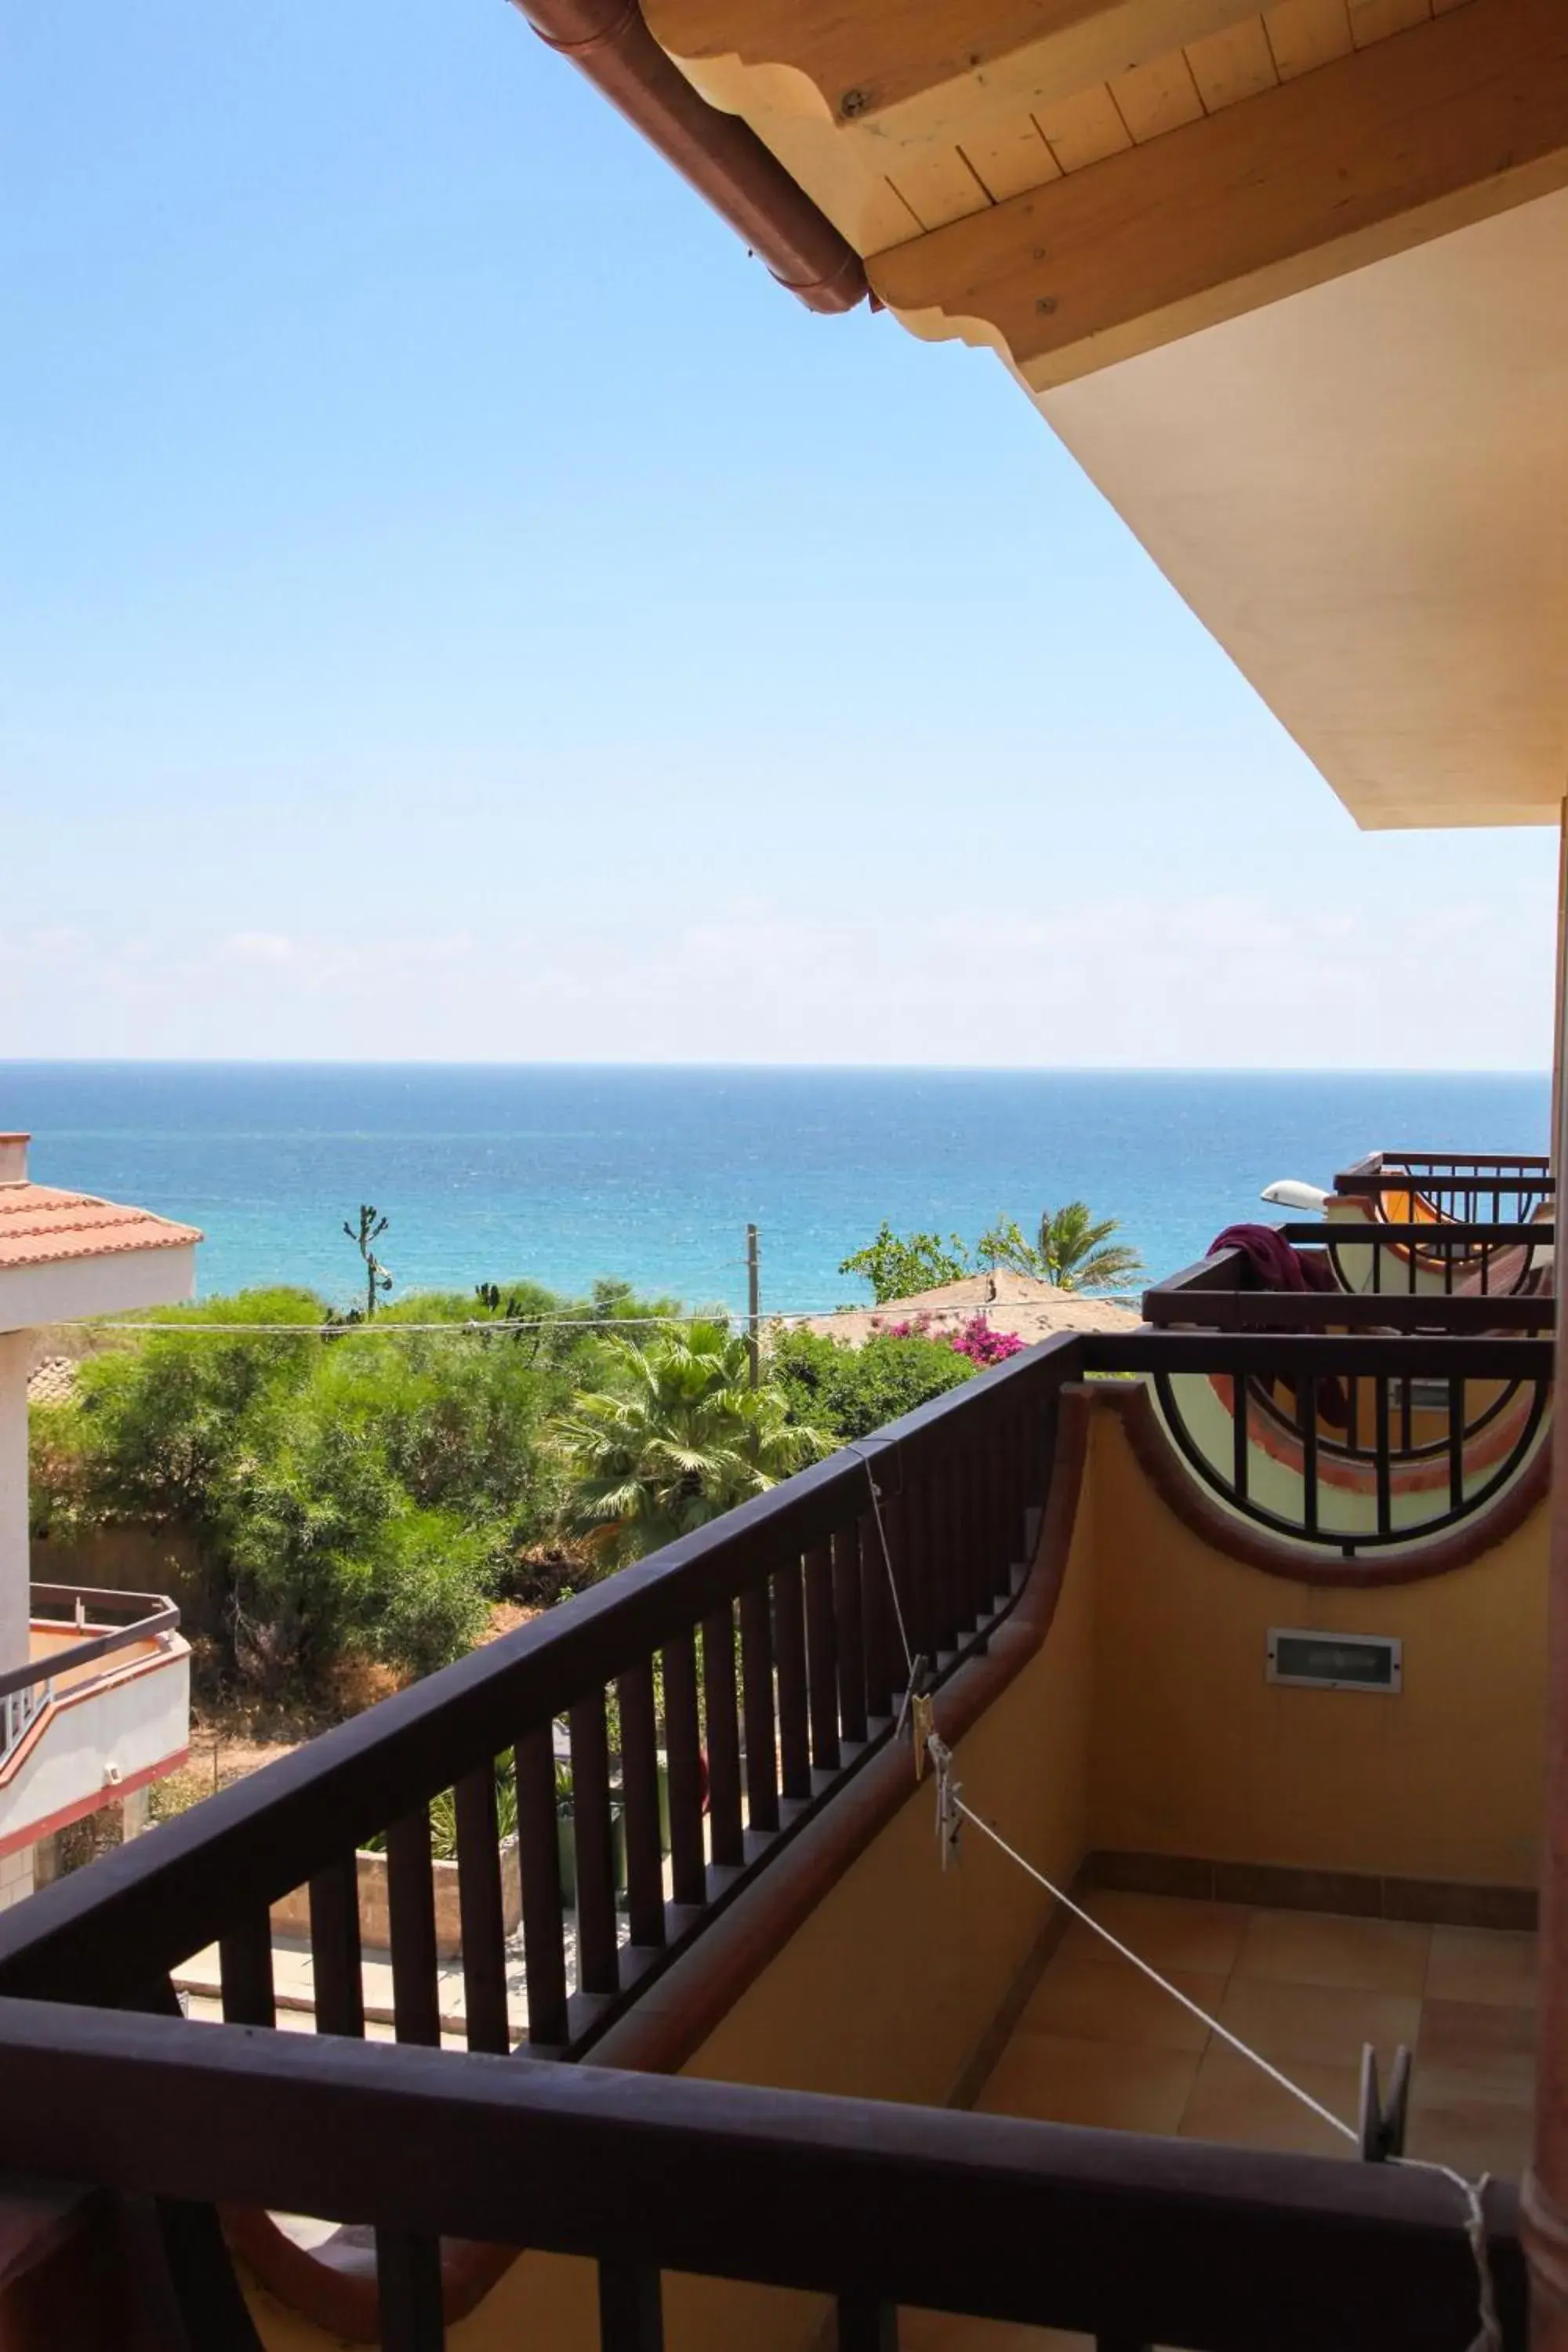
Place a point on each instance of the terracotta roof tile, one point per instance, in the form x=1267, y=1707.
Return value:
x=40, y=1225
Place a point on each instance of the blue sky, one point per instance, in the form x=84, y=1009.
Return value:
x=453, y=604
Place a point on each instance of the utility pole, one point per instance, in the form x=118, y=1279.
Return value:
x=754, y=1305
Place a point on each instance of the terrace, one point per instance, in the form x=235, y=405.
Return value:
x=793, y=2075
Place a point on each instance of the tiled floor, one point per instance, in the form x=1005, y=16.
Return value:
x=1100, y=2045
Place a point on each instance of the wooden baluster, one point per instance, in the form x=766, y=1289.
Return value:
x=598, y=1964
x=971, y=1521
x=1307, y=1414
x=1009, y=1487
x=631, y=2314
x=757, y=1704
x=639, y=1789
x=724, y=1726
x=411, y=1904
x=896, y=1518
x=850, y=1622
x=683, y=1747
x=866, y=2325
x=1456, y=1444
x=481, y=1910
x=822, y=1658
x=1380, y=1454
x=795, y=1704
x=966, y=1479
x=245, y=1971
x=335, y=1949
x=908, y=1530
x=885, y=1674
x=954, y=1601
x=539, y=1862
x=408, y=2290
x=998, y=1550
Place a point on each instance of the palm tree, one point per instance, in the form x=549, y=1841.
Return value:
x=1073, y=1250
x=686, y=1438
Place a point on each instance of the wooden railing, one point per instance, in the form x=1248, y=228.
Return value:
x=747, y=1670
x=759, y=1658
x=1472, y=1279
x=1134, y=2242
x=1470, y=1187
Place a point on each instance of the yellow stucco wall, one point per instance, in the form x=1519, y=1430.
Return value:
x=1145, y=1723
x=1193, y=1752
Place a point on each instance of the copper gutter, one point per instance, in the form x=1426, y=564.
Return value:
x=722, y=156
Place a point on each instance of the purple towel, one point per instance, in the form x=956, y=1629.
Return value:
x=1272, y=1262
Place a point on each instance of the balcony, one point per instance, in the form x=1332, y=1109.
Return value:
x=795, y=2082
x=1396, y=1398
x=101, y=1709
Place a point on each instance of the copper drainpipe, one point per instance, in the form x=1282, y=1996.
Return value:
x=1545, y=2196
x=721, y=155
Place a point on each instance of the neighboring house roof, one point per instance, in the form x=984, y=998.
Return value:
x=41, y=1225
x=1019, y=1302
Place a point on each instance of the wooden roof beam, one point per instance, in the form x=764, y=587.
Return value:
x=901, y=69
x=1455, y=120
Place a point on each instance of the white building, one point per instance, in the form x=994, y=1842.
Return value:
x=94, y=1686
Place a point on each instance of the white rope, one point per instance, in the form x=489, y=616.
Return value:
x=952, y=1812
x=1306, y=2098
x=911, y=1662
x=1474, y=2192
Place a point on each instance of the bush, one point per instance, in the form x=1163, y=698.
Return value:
x=354, y=1493
x=851, y=1392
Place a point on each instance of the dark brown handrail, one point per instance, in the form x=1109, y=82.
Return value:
x=216, y=1869
x=161, y=1616
x=1210, y=1296
x=1134, y=2240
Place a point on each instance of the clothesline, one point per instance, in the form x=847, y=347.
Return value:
x=952, y=1812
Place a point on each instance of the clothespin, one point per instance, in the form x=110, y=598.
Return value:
x=922, y=1720
x=1383, y=2127
x=949, y=1816
x=920, y=1683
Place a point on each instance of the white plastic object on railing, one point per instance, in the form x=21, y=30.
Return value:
x=18, y=1711
x=1289, y=1193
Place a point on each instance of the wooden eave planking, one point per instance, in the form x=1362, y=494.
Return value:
x=1460, y=117
x=931, y=62
x=884, y=175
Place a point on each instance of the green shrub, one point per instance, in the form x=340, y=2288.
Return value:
x=853, y=1391
x=354, y=1491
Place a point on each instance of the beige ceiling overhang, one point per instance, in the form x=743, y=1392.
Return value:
x=1292, y=283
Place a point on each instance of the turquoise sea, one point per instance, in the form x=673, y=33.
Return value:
x=564, y=1174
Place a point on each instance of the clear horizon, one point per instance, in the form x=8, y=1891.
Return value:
x=907, y=1069
x=459, y=608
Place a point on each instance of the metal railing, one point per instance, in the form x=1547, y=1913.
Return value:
x=1467, y=1187
x=1352, y=1440
x=26, y=1691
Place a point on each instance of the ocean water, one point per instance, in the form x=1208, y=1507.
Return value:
x=562, y=1173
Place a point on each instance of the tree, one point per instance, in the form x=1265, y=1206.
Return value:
x=371, y=1225
x=897, y=1265
x=680, y=1438
x=1073, y=1250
